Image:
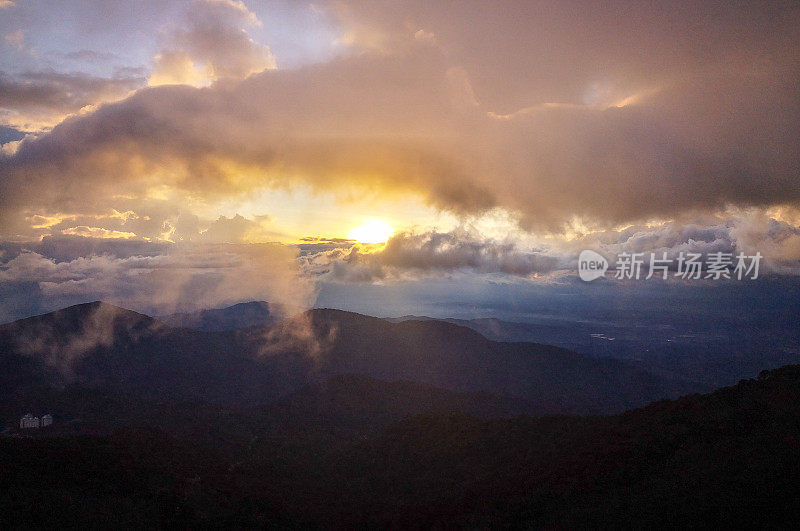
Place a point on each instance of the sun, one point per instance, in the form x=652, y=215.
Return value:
x=372, y=231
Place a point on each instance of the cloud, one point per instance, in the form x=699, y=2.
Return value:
x=413, y=255
x=410, y=255
x=522, y=54
x=236, y=229
x=162, y=277
x=748, y=231
x=40, y=89
x=89, y=56
x=610, y=115
x=157, y=220
x=96, y=232
x=778, y=240
x=15, y=39
x=32, y=101
x=156, y=278
x=269, y=130
x=210, y=46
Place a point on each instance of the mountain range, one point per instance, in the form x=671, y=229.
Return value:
x=338, y=420
x=97, y=345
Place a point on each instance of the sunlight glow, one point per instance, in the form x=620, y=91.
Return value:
x=372, y=231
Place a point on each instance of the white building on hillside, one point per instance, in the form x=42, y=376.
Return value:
x=29, y=421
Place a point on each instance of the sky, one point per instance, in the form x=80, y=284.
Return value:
x=393, y=157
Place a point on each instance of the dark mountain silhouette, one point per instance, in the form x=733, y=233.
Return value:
x=343, y=407
x=99, y=345
x=454, y=357
x=103, y=346
x=358, y=405
x=728, y=459
x=134, y=479
x=44, y=350
x=558, y=333
x=705, y=352
x=243, y=315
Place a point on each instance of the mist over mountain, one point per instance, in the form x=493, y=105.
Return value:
x=335, y=419
x=100, y=345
